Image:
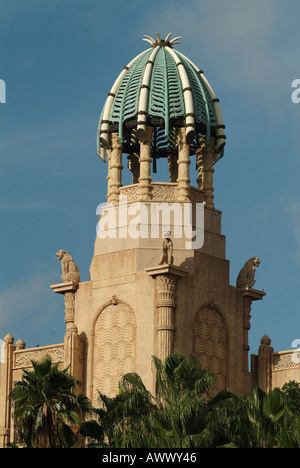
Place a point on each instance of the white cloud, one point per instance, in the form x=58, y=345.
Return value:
x=241, y=43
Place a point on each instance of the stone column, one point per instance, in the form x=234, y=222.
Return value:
x=165, y=303
x=183, y=166
x=199, y=163
x=265, y=362
x=114, y=169
x=173, y=168
x=208, y=171
x=6, y=385
x=144, y=190
x=134, y=167
x=166, y=279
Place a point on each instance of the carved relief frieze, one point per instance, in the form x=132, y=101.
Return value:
x=162, y=192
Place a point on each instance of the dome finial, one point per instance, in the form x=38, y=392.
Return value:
x=161, y=42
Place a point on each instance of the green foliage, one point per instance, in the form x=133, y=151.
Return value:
x=46, y=406
x=180, y=414
x=292, y=391
x=185, y=413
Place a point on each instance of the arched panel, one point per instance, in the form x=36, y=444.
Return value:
x=210, y=343
x=114, y=346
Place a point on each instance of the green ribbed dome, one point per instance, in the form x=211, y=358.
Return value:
x=164, y=89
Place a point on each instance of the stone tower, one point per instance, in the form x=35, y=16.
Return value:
x=159, y=279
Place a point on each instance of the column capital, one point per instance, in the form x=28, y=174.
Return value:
x=181, y=136
x=166, y=269
x=115, y=142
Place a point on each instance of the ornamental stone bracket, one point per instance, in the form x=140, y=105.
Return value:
x=166, y=278
x=254, y=294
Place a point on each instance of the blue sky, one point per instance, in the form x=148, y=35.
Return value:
x=59, y=60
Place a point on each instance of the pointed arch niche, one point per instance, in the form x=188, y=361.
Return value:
x=113, y=346
x=210, y=342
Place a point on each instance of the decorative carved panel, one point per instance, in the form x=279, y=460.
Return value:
x=286, y=360
x=22, y=358
x=114, y=343
x=162, y=192
x=210, y=343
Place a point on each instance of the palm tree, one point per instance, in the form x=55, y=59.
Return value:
x=183, y=413
x=47, y=406
x=178, y=415
x=263, y=420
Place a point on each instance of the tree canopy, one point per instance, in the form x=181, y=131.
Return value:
x=184, y=412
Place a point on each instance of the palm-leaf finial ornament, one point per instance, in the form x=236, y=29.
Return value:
x=161, y=42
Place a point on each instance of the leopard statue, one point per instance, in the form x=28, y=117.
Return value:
x=246, y=275
x=69, y=268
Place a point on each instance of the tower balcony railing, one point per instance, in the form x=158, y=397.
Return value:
x=161, y=192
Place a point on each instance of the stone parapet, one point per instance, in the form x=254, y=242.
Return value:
x=161, y=191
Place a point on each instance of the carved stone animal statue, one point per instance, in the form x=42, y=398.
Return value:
x=246, y=275
x=69, y=268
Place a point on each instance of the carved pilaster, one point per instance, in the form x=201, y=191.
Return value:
x=144, y=190
x=183, y=166
x=6, y=384
x=166, y=279
x=265, y=361
x=73, y=352
x=248, y=295
x=73, y=347
x=166, y=287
